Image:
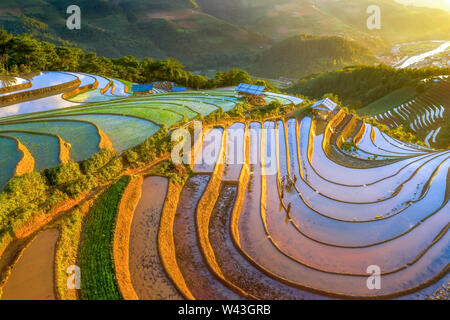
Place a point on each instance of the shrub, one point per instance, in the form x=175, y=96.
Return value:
x=176, y=173
x=110, y=171
x=65, y=173
x=22, y=191
x=154, y=146
x=85, y=183
x=131, y=156
x=97, y=161
x=349, y=146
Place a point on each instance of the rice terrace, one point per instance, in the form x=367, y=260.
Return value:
x=135, y=179
x=279, y=207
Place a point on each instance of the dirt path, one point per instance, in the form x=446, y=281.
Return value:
x=32, y=278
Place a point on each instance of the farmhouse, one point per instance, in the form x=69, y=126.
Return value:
x=253, y=94
x=324, y=108
x=142, y=89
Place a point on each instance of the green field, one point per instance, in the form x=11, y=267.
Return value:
x=124, y=132
x=161, y=117
x=98, y=279
x=83, y=137
x=195, y=105
x=126, y=121
x=388, y=102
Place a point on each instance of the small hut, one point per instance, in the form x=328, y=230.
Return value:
x=324, y=109
x=253, y=94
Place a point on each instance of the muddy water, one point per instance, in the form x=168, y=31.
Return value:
x=235, y=267
x=389, y=256
x=410, y=192
x=265, y=252
x=147, y=274
x=250, y=223
x=380, y=146
x=340, y=233
x=212, y=142
x=234, y=152
x=200, y=281
x=32, y=278
x=338, y=174
x=369, y=193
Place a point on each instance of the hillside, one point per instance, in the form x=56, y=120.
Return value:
x=207, y=34
x=156, y=29
x=360, y=86
x=305, y=54
x=266, y=211
x=284, y=18
x=425, y=114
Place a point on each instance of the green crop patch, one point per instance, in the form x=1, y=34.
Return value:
x=124, y=132
x=389, y=101
x=200, y=107
x=98, y=280
x=158, y=116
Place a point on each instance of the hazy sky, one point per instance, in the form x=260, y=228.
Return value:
x=444, y=4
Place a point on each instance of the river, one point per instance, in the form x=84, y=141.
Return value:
x=412, y=60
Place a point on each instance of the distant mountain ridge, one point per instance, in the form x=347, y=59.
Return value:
x=157, y=29
x=214, y=34
x=306, y=54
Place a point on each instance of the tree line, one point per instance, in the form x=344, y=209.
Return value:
x=24, y=54
x=362, y=85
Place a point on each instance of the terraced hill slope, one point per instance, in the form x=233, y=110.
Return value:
x=427, y=114
x=282, y=208
x=304, y=218
x=71, y=116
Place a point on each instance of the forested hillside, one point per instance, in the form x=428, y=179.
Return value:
x=284, y=18
x=157, y=29
x=214, y=34
x=359, y=86
x=25, y=54
x=306, y=54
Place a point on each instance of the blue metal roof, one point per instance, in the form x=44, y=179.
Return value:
x=142, y=87
x=251, y=89
x=178, y=89
x=325, y=104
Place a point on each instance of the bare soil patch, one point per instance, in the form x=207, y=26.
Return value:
x=147, y=273
x=32, y=278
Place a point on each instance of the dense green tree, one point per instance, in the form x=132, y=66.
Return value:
x=22, y=54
